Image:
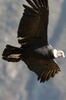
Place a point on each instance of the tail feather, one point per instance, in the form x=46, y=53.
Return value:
x=12, y=54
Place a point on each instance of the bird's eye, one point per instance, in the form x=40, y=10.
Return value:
x=61, y=52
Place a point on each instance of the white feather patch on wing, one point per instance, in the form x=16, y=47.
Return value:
x=21, y=38
x=16, y=56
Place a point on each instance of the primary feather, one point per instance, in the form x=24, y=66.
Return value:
x=34, y=23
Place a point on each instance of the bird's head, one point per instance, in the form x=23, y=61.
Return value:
x=58, y=53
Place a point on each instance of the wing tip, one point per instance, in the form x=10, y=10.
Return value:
x=45, y=76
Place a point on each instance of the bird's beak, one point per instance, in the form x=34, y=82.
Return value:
x=63, y=55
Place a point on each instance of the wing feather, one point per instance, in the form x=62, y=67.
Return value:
x=32, y=4
x=44, y=68
x=33, y=25
x=36, y=3
x=40, y=2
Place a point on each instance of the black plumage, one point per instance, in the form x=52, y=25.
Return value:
x=32, y=35
x=33, y=25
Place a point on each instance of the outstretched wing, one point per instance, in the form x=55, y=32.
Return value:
x=33, y=25
x=44, y=68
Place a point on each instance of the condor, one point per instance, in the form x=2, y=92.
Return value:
x=35, y=50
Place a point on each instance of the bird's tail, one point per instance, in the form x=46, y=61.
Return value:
x=12, y=54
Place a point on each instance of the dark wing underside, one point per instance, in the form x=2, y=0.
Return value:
x=44, y=68
x=33, y=25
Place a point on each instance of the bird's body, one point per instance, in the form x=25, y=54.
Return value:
x=35, y=50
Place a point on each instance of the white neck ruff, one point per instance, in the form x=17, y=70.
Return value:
x=55, y=53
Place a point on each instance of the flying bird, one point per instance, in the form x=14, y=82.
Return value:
x=32, y=35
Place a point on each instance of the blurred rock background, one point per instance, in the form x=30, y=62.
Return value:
x=16, y=81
